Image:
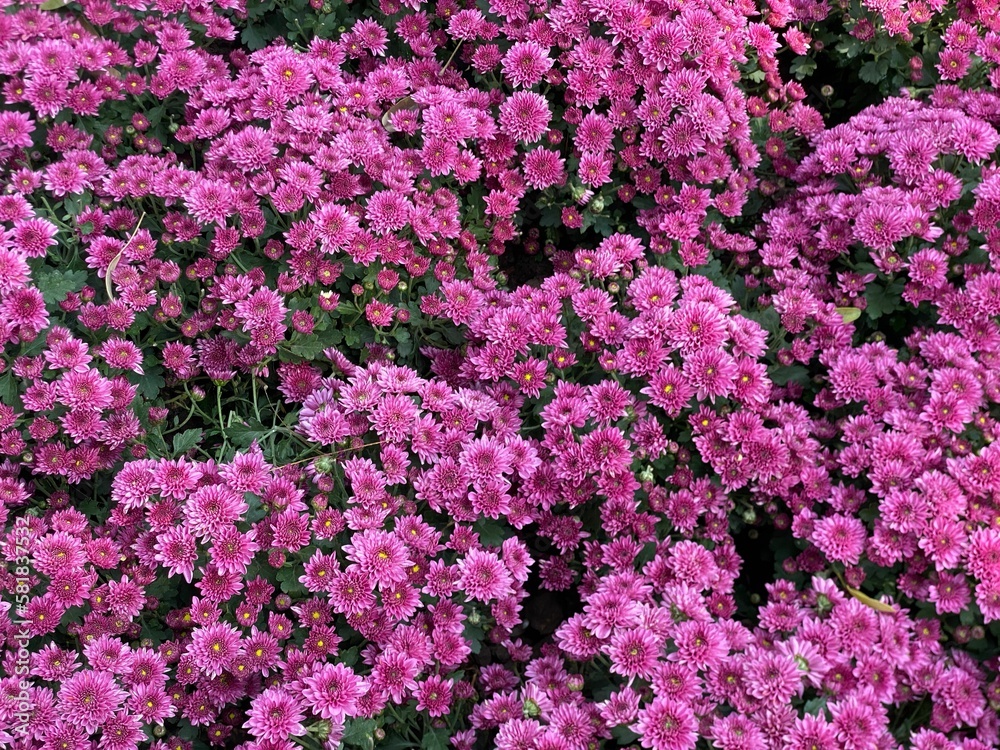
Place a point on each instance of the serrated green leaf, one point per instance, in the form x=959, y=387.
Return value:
x=359, y=732
x=802, y=66
x=873, y=71
x=309, y=348
x=474, y=636
x=55, y=284
x=242, y=435
x=792, y=373
x=436, y=739
x=815, y=705
x=255, y=507
x=288, y=578
x=185, y=441
x=883, y=300
x=150, y=383
x=8, y=389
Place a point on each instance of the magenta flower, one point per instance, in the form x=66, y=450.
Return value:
x=88, y=699
x=275, y=715
x=484, y=576
x=333, y=690
x=525, y=116
x=666, y=724
x=215, y=647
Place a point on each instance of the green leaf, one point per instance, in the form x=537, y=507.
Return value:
x=309, y=348
x=289, y=579
x=792, y=373
x=53, y=4
x=883, y=300
x=474, y=635
x=874, y=71
x=359, y=733
x=255, y=510
x=436, y=739
x=150, y=383
x=185, y=441
x=624, y=735
x=8, y=389
x=491, y=533
x=252, y=38
x=815, y=705
x=55, y=284
x=242, y=435
x=802, y=66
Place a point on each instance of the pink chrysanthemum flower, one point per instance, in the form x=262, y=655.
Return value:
x=379, y=555
x=88, y=699
x=634, y=653
x=215, y=647
x=525, y=116
x=175, y=478
x=275, y=715
x=667, y=724
x=177, y=549
x=484, y=576
x=123, y=731
x=333, y=690
x=232, y=551
x=526, y=63
x=841, y=538
x=213, y=508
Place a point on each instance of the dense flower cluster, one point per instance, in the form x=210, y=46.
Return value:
x=531, y=375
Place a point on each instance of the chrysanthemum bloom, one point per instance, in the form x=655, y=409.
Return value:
x=387, y=211
x=175, y=478
x=275, y=715
x=247, y=471
x=212, y=508
x=34, y=237
x=232, y=550
x=484, y=576
x=125, y=598
x=379, y=555
x=177, y=550
x=25, y=308
x=333, y=690
x=634, y=653
x=434, y=695
x=525, y=116
x=667, y=724
x=335, y=225
x=841, y=538
x=543, y=168
x=211, y=201
x=526, y=63
x=395, y=674
x=352, y=591
x=89, y=699
x=215, y=647
x=123, y=731
x=15, y=129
